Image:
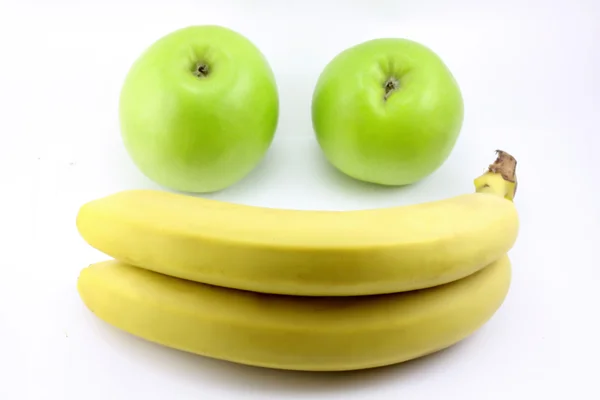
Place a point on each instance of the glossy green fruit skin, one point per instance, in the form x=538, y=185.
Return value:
x=199, y=133
x=395, y=141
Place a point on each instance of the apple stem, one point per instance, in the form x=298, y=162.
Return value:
x=390, y=86
x=201, y=70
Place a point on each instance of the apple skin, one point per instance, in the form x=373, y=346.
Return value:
x=199, y=132
x=397, y=140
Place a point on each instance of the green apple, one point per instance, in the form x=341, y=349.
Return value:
x=387, y=111
x=199, y=109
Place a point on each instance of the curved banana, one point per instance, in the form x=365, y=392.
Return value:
x=299, y=252
x=290, y=332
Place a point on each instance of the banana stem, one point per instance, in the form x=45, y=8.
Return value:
x=500, y=178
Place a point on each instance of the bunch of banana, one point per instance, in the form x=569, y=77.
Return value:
x=304, y=290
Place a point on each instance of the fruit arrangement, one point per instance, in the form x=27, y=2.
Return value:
x=295, y=289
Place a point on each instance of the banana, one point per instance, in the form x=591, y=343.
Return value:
x=291, y=332
x=310, y=253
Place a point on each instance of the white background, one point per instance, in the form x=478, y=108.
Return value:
x=529, y=72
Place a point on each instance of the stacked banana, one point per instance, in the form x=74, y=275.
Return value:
x=302, y=290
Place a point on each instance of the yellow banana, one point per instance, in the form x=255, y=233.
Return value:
x=291, y=332
x=309, y=253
